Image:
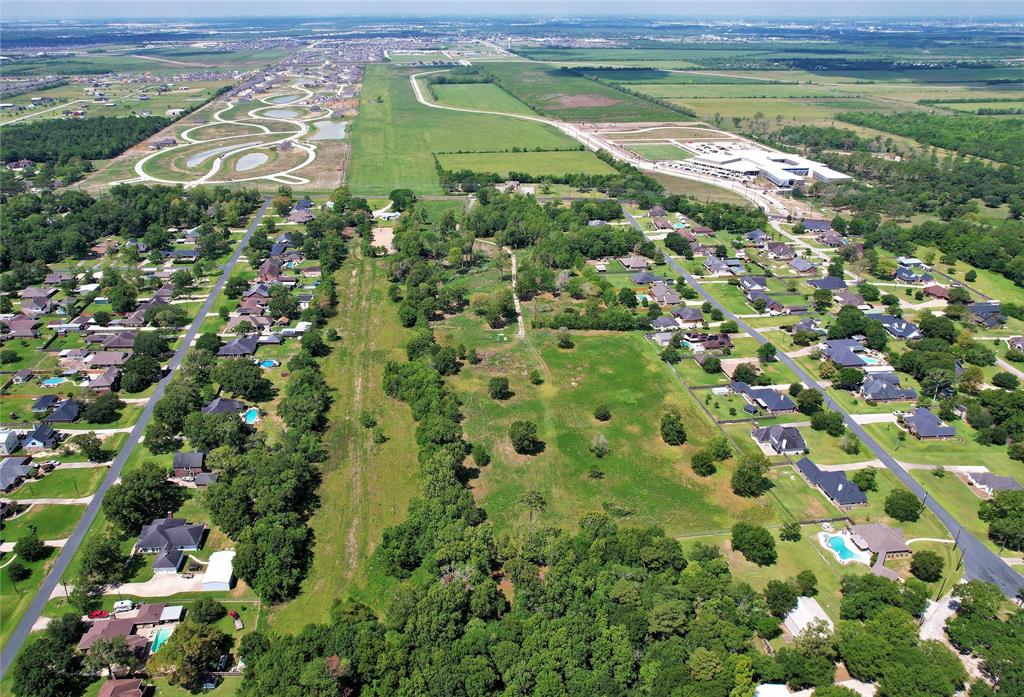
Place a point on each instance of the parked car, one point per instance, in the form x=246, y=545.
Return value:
x=124, y=606
x=98, y=614
x=239, y=626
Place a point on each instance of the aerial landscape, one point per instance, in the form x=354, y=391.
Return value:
x=568, y=349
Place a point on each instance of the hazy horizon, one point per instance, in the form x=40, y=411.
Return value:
x=654, y=9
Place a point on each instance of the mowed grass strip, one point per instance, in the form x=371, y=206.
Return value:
x=554, y=92
x=485, y=96
x=394, y=137
x=538, y=164
x=366, y=487
x=51, y=522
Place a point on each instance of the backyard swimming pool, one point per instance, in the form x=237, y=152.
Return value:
x=160, y=638
x=53, y=382
x=251, y=415
x=269, y=363
x=843, y=549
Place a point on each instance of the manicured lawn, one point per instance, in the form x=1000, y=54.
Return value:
x=874, y=512
x=366, y=487
x=827, y=450
x=52, y=522
x=61, y=484
x=393, y=139
x=660, y=151
x=796, y=497
x=694, y=375
x=16, y=601
x=538, y=164
x=961, y=450
x=731, y=297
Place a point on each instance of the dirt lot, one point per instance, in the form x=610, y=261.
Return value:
x=573, y=101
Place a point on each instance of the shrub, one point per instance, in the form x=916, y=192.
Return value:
x=206, y=611
x=755, y=544
x=672, y=430
x=602, y=413
x=523, y=435
x=366, y=419
x=498, y=388
x=926, y=565
x=703, y=463
x=865, y=479
x=600, y=446
x=790, y=532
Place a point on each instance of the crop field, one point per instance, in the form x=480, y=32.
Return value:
x=973, y=107
x=393, y=139
x=538, y=164
x=485, y=96
x=684, y=57
x=747, y=90
x=159, y=61
x=552, y=92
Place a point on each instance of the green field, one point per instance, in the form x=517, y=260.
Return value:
x=485, y=96
x=973, y=107
x=660, y=151
x=561, y=94
x=537, y=164
x=394, y=138
x=51, y=522
x=61, y=484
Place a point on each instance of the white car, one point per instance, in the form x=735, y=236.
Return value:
x=124, y=606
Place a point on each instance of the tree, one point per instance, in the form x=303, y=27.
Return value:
x=865, y=479
x=926, y=565
x=807, y=583
x=18, y=572
x=155, y=344
x=809, y=401
x=703, y=463
x=142, y=495
x=190, y=653
x=313, y=343
x=523, y=435
x=755, y=543
x=104, y=409
x=498, y=388
x=103, y=562
x=46, y=668
x=242, y=378
x=208, y=341
x=209, y=431
x=89, y=445
x=106, y=655
x=30, y=547
x=402, y=199
x=1007, y=381
x=534, y=502
x=139, y=372
x=672, y=430
x=790, y=531
x=848, y=379
x=711, y=365
x=748, y=480
x=272, y=556
x=766, y=352
x=206, y=611
x=235, y=287
x=781, y=597
x=903, y=505
x=1004, y=514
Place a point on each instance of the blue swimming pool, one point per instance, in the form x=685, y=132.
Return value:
x=251, y=415
x=53, y=382
x=161, y=637
x=269, y=363
x=838, y=545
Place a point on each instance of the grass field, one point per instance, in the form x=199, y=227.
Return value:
x=973, y=107
x=61, y=484
x=394, y=136
x=485, y=96
x=660, y=151
x=51, y=522
x=699, y=190
x=538, y=164
x=563, y=95
x=365, y=487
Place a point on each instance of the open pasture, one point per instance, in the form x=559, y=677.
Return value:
x=485, y=96
x=538, y=164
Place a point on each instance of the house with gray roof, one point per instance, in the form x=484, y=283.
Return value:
x=757, y=237
x=242, y=346
x=779, y=250
x=801, y=265
x=879, y=539
x=10, y=441
x=13, y=471
x=844, y=352
x=187, y=464
x=923, y=424
x=812, y=225
x=749, y=283
x=663, y=295
x=688, y=315
x=64, y=412
x=764, y=398
x=832, y=283
x=634, y=262
x=885, y=387
x=992, y=483
x=835, y=485
x=168, y=538
x=782, y=440
x=898, y=327
x=665, y=322
x=42, y=437
x=645, y=277
x=223, y=405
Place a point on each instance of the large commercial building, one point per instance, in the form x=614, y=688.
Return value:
x=736, y=160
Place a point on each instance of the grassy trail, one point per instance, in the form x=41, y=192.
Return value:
x=366, y=487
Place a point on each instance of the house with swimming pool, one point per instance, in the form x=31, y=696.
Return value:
x=880, y=540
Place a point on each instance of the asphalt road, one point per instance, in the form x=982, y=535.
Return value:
x=980, y=562
x=17, y=640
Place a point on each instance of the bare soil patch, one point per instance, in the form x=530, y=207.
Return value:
x=575, y=101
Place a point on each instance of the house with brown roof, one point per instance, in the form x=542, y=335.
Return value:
x=880, y=540
x=936, y=291
x=108, y=359
x=270, y=270
x=122, y=688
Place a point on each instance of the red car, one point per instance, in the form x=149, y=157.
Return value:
x=98, y=614
x=234, y=615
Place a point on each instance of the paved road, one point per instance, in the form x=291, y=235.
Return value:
x=980, y=562
x=17, y=640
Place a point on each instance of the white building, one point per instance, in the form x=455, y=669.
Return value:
x=220, y=573
x=736, y=161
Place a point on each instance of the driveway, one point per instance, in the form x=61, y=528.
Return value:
x=35, y=608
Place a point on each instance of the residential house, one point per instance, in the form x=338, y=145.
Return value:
x=258, y=322
x=36, y=306
x=832, y=283
x=936, y=291
x=42, y=437
x=9, y=442
x=270, y=270
x=634, y=263
x=105, y=381
x=65, y=412
x=37, y=293
x=688, y=315
x=646, y=277
x=13, y=471
x=182, y=256
x=189, y=464
x=885, y=387
x=801, y=265
x=845, y=353
x=812, y=225
x=750, y=283
x=925, y=425
x=992, y=483
x=756, y=237
x=242, y=346
x=122, y=687
x=57, y=278
x=898, y=327
x=831, y=239
x=108, y=359
x=148, y=615
x=662, y=224
x=657, y=211
x=663, y=295
x=44, y=403
x=881, y=540
x=906, y=274
x=987, y=314
x=716, y=267
x=771, y=305
x=300, y=216
x=665, y=322
x=168, y=538
x=764, y=398
x=22, y=327
x=701, y=342
x=22, y=376
x=1015, y=343
x=782, y=440
x=662, y=339
x=117, y=340
x=780, y=251
x=848, y=298
x=223, y=405
x=834, y=485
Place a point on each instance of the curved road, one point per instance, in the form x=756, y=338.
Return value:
x=980, y=561
x=35, y=609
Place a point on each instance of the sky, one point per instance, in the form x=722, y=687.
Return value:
x=705, y=9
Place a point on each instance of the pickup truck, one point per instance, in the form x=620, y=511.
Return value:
x=237, y=620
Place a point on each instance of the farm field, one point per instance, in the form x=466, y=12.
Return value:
x=485, y=96
x=538, y=164
x=393, y=140
x=569, y=97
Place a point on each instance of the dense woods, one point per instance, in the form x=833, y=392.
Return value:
x=94, y=138
x=994, y=139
